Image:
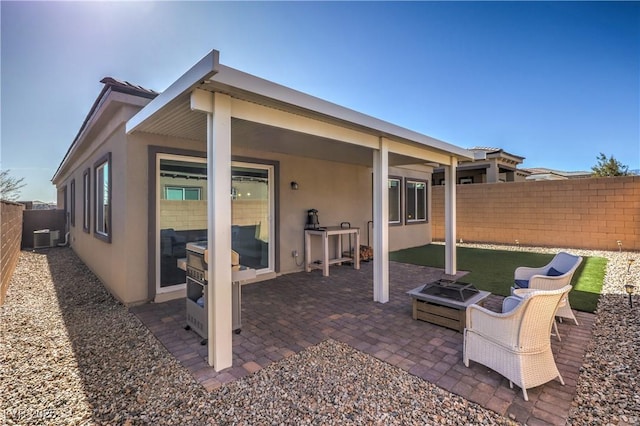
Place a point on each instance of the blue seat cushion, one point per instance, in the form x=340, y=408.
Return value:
x=522, y=283
x=553, y=272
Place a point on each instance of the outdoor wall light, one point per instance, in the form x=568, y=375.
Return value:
x=294, y=186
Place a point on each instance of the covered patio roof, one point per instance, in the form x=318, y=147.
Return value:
x=172, y=114
x=224, y=107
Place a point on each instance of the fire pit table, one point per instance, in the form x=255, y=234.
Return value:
x=444, y=302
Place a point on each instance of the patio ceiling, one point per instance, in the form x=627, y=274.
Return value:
x=179, y=121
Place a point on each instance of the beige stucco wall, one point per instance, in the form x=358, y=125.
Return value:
x=106, y=260
x=121, y=264
x=138, y=191
x=340, y=192
x=415, y=234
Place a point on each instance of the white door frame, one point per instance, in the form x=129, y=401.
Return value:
x=271, y=215
x=163, y=156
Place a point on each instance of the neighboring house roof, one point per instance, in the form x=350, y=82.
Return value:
x=111, y=85
x=541, y=173
x=498, y=153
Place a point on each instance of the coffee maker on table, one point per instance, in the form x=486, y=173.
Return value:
x=312, y=219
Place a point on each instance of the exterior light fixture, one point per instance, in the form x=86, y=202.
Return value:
x=630, y=288
x=294, y=186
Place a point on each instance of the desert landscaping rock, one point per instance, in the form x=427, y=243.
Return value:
x=72, y=355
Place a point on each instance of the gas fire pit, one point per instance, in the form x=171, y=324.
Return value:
x=444, y=302
x=449, y=289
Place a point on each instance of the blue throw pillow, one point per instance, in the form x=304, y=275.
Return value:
x=552, y=272
x=522, y=283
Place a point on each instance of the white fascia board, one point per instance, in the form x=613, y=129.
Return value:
x=203, y=70
x=248, y=83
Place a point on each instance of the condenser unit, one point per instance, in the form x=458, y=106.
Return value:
x=54, y=237
x=41, y=239
x=45, y=238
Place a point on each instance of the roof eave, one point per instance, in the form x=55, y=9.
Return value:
x=107, y=99
x=203, y=70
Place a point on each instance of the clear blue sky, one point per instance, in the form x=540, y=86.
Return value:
x=556, y=83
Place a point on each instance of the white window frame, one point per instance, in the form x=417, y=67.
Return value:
x=159, y=192
x=270, y=169
x=86, y=201
x=72, y=200
x=399, y=200
x=183, y=188
x=105, y=233
x=414, y=195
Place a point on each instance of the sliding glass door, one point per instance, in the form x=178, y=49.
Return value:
x=181, y=214
x=252, y=207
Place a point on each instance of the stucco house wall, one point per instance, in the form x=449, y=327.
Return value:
x=341, y=192
x=334, y=154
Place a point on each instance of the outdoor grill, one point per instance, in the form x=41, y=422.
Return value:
x=197, y=291
x=448, y=289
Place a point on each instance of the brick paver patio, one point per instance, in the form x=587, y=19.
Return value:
x=289, y=313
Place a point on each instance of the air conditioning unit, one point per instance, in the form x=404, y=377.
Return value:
x=54, y=237
x=41, y=239
x=45, y=238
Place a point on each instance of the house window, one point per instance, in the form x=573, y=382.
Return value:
x=416, y=204
x=182, y=193
x=73, y=202
x=86, y=200
x=394, y=200
x=102, y=215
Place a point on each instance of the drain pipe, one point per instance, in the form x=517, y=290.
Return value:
x=66, y=241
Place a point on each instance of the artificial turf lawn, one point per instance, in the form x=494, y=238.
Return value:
x=492, y=270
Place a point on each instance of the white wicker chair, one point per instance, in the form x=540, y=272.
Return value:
x=516, y=344
x=556, y=274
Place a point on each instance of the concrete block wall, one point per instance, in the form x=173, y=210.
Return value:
x=249, y=212
x=10, y=236
x=33, y=220
x=183, y=215
x=589, y=213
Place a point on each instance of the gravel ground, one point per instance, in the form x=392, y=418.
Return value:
x=87, y=360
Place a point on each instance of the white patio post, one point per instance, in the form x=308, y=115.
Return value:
x=219, y=315
x=381, y=223
x=450, y=260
